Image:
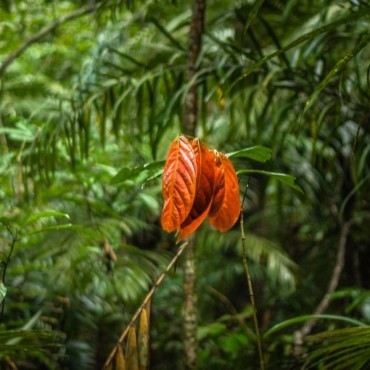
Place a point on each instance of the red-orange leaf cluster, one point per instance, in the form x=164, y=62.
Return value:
x=198, y=182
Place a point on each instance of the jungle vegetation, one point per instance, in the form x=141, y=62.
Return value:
x=92, y=93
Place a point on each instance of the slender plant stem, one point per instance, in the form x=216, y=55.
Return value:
x=251, y=293
x=145, y=303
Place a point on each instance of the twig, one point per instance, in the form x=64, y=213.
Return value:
x=42, y=33
x=251, y=293
x=145, y=302
x=332, y=286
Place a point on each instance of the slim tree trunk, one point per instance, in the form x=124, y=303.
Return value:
x=189, y=309
x=195, y=44
x=189, y=126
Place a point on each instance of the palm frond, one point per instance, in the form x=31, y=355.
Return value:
x=340, y=349
x=269, y=258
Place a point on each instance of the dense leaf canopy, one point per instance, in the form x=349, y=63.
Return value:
x=91, y=97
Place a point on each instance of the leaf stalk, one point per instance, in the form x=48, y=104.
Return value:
x=251, y=292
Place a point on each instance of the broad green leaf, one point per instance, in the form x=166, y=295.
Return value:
x=56, y=228
x=257, y=153
x=44, y=214
x=282, y=177
x=130, y=173
x=155, y=175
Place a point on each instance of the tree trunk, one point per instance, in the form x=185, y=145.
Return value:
x=195, y=44
x=190, y=311
x=189, y=127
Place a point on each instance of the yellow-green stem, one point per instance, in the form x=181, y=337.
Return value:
x=145, y=302
x=251, y=294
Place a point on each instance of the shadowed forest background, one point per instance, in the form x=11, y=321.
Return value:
x=91, y=89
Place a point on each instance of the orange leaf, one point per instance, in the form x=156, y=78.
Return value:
x=225, y=209
x=219, y=184
x=178, y=184
x=204, y=189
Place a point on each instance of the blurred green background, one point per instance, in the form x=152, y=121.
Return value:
x=103, y=90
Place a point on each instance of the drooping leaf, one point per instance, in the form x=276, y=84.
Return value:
x=44, y=214
x=303, y=318
x=224, y=217
x=57, y=228
x=132, y=356
x=130, y=173
x=282, y=177
x=23, y=132
x=252, y=15
x=120, y=359
x=143, y=338
x=178, y=184
x=204, y=189
x=257, y=153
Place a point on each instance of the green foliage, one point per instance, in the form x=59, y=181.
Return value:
x=258, y=153
x=86, y=116
x=341, y=349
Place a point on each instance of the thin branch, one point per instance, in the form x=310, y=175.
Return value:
x=332, y=286
x=42, y=33
x=251, y=293
x=144, y=303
